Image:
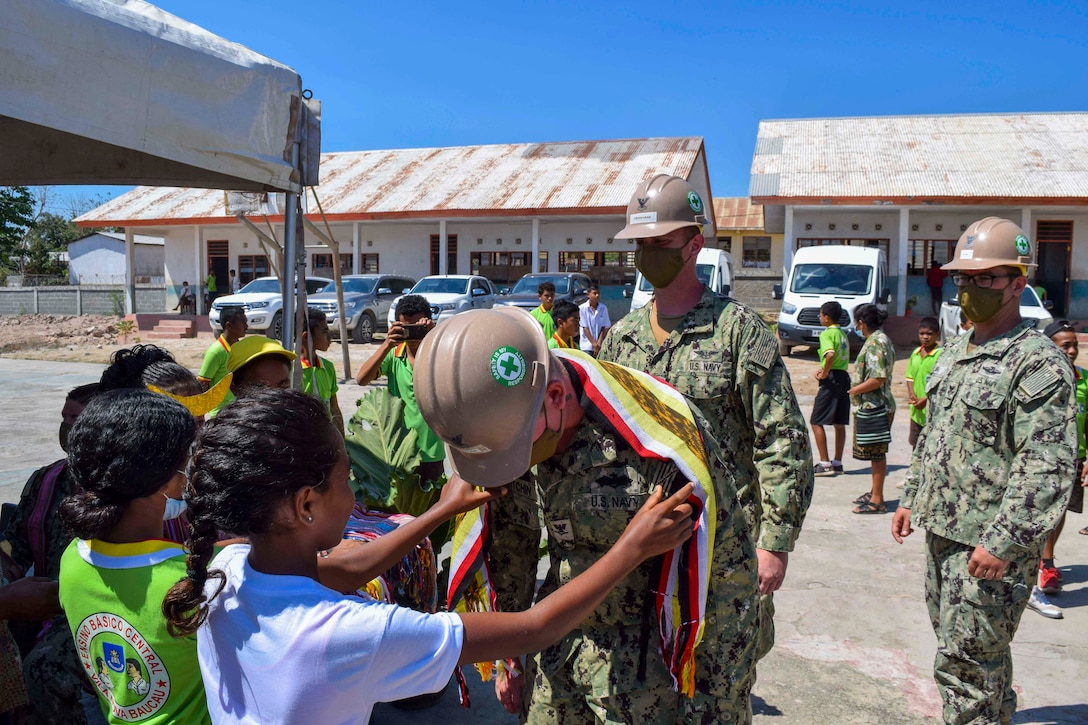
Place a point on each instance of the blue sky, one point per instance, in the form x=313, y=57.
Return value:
x=455, y=73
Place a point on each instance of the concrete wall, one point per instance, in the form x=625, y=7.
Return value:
x=78, y=300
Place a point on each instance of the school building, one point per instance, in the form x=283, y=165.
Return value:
x=912, y=184
x=498, y=210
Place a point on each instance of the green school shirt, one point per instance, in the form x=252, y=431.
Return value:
x=210, y=283
x=112, y=597
x=834, y=339
x=918, y=369
x=214, y=369
x=398, y=371
x=544, y=317
x=1082, y=408
x=324, y=374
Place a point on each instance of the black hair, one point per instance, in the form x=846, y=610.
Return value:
x=1059, y=326
x=83, y=393
x=545, y=287
x=128, y=364
x=231, y=314
x=410, y=305
x=135, y=663
x=127, y=444
x=593, y=286
x=255, y=454
x=564, y=309
x=871, y=315
x=232, y=271
x=929, y=323
x=832, y=309
x=315, y=318
x=173, y=378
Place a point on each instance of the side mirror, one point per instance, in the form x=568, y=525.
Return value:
x=628, y=290
x=384, y=291
x=477, y=292
x=884, y=295
x=726, y=289
x=776, y=292
x=504, y=290
x=1047, y=304
x=406, y=290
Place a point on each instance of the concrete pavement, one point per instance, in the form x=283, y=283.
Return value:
x=854, y=644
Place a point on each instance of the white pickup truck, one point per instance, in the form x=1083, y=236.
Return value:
x=1031, y=308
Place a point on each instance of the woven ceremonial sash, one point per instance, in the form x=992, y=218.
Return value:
x=655, y=420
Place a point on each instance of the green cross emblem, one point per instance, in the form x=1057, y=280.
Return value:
x=508, y=366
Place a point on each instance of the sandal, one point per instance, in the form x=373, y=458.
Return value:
x=864, y=498
x=871, y=508
x=1084, y=531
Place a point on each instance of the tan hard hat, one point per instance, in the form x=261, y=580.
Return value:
x=661, y=205
x=991, y=242
x=479, y=382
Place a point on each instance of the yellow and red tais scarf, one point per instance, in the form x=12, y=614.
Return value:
x=655, y=420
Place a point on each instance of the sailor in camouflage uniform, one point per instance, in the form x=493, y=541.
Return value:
x=588, y=484
x=724, y=359
x=991, y=474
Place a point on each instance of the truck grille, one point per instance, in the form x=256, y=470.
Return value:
x=326, y=307
x=811, y=316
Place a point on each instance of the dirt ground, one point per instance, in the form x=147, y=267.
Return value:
x=93, y=338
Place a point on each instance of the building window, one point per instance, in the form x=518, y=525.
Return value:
x=576, y=261
x=726, y=243
x=757, y=253
x=250, y=267
x=451, y=253
x=322, y=263
x=368, y=264
x=504, y=267
x=922, y=253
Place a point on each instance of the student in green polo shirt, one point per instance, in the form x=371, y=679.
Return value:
x=395, y=359
x=921, y=364
x=214, y=367
x=566, y=317
x=832, y=406
x=318, y=373
x=543, y=314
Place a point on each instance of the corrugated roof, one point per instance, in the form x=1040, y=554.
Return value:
x=966, y=157
x=497, y=180
x=737, y=212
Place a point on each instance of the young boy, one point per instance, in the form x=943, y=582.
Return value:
x=919, y=367
x=566, y=317
x=594, y=321
x=543, y=314
x=318, y=374
x=832, y=406
x=214, y=367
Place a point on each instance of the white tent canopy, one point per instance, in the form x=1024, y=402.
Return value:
x=120, y=92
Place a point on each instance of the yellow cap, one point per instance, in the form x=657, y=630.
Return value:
x=251, y=347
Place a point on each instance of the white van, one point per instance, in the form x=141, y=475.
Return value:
x=851, y=276
x=715, y=270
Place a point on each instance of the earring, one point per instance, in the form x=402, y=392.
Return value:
x=309, y=519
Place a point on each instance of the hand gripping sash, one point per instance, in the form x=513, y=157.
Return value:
x=655, y=420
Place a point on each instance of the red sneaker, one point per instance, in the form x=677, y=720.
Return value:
x=1050, y=579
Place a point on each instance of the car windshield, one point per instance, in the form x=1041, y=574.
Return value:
x=527, y=285
x=832, y=279
x=356, y=286
x=261, y=286
x=441, y=285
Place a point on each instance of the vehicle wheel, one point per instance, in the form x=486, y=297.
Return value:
x=275, y=330
x=364, y=329
x=783, y=349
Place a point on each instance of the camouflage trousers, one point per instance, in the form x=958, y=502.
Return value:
x=593, y=677
x=766, y=626
x=975, y=621
x=55, y=678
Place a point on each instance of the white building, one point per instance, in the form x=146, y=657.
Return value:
x=912, y=184
x=490, y=209
x=99, y=258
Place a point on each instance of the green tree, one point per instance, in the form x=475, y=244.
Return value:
x=16, y=217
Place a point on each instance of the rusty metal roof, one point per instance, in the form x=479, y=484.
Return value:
x=737, y=212
x=583, y=177
x=964, y=158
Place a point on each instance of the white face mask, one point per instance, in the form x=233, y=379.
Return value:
x=174, y=507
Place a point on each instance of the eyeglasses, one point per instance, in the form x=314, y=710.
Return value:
x=982, y=281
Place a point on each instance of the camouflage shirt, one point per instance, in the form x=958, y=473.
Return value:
x=585, y=496
x=725, y=361
x=876, y=359
x=994, y=463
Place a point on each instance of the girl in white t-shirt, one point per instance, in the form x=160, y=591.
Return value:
x=275, y=645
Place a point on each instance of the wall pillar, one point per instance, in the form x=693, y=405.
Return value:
x=536, y=248
x=356, y=247
x=788, y=243
x=901, y=263
x=130, y=271
x=443, y=248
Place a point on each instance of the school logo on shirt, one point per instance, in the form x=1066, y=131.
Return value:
x=124, y=667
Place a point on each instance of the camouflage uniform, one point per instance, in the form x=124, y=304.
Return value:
x=610, y=669
x=725, y=361
x=993, y=469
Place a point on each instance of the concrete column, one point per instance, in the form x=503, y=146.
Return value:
x=901, y=263
x=536, y=248
x=79, y=301
x=197, y=285
x=130, y=271
x=443, y=248
x=356, y=247
x=788, y=243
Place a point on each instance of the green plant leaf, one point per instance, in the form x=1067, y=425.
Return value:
x=384, y=453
